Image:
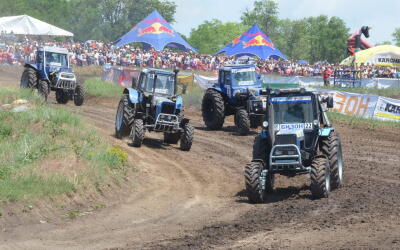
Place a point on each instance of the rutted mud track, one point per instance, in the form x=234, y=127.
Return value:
x=196, y=200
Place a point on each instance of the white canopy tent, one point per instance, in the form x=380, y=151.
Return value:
x=26, y=25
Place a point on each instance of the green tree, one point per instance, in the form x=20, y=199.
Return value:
x=396, y=36
x=265, y=14
x=211, y=36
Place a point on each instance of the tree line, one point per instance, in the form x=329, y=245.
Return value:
x=320, y=38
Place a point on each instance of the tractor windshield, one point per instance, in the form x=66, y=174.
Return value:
x=164, y=84
x=244, y=77
x=56, y=59
x=292, y=109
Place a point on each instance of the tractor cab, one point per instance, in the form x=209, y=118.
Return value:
x=156, y=83
x=236, y=80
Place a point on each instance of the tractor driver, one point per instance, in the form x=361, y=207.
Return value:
x=294, y=114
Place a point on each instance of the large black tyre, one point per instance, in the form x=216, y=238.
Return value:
x=124, y=118
x=28, y=78
x=137, y=133
x=172, y=138
x=79, y=95
x=261, y=149
x=320, y=177
x=187, y=137
x=43, y=89
x=242, y=122
x=62, y=96
x=252, y=174
x=331, y=147
x=213, y=109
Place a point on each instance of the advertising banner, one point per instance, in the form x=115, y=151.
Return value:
x=387, y=109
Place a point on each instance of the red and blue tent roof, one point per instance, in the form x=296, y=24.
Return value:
x=253, y=42
x=156, y=32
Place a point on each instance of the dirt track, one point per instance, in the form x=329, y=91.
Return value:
x=196, y=200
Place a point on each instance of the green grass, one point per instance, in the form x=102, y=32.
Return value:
x=389, y=92
x=359, y=122
x=31, y=141
x=98, y=88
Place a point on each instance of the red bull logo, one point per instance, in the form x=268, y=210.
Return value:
x=258, y=41
x=156, y=28
x=235, y=41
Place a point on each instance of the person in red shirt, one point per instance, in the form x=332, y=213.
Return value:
x=326, y=74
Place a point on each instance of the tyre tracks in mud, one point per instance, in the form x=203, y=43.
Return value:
x=195, y=200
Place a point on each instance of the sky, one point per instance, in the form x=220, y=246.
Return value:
x=382, y=15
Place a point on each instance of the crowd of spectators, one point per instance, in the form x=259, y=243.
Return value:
x=99, y=53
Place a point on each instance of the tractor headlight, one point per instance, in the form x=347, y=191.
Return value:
x=265, y=124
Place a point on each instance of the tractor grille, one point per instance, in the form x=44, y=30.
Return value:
x=65, y=84
x=168, y=108
x=285, y=139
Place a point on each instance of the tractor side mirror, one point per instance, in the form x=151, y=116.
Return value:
x=184, y=88
x=329, y=102
x=134, y=83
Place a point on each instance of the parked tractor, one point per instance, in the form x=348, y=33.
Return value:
x=152, y=104
x=236, y=93
x=297, y=138
x=52, y=71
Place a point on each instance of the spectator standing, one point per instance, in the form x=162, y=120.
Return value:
x=326, y=75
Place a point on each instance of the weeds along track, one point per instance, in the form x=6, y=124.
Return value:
x=195, y=199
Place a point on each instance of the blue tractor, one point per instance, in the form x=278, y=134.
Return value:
x=52, y=71
x=236, y=93
x=152, y=104
x=297, y=138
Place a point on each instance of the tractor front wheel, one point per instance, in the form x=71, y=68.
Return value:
x=62, y=96
x=43, y=89
x=332, y=148
x=253, y=178
x=242, y=122
x=213, y=109
x=320, y=177
x=187, y=137
x=137, y=133
x=79, y=95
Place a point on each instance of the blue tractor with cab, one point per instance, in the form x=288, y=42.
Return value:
x=296, y=138
x=237, y=93
x=152, y=104
x=52, y=71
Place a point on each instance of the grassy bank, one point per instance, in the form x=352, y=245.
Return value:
x=98, y=88
x=359, y=122
x=47, y=151
x=389, y=92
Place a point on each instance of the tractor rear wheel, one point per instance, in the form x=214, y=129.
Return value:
x=252, y=178
x=213, y=109
x=242, y=122
x=331, y=147
x=137, y=133
x=320, y=177
x=28, y=78
x=62, y=96
x=187, y=137
x=124, y=118
x=172, y=138
x=43, y=89
x=79, y=95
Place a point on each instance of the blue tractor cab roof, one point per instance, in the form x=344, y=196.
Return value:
x=237, y=66
x=53, y=49
x=157, y=71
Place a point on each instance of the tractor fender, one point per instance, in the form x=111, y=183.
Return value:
x=179, y=103
x=326, y=132
x=30, y=65
x=219, y=90
x=134, y=96
x=184, y=122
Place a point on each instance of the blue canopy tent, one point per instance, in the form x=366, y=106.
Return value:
x=229, y=46
x=303, y=62
x=154, y=31
x=254, y=42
